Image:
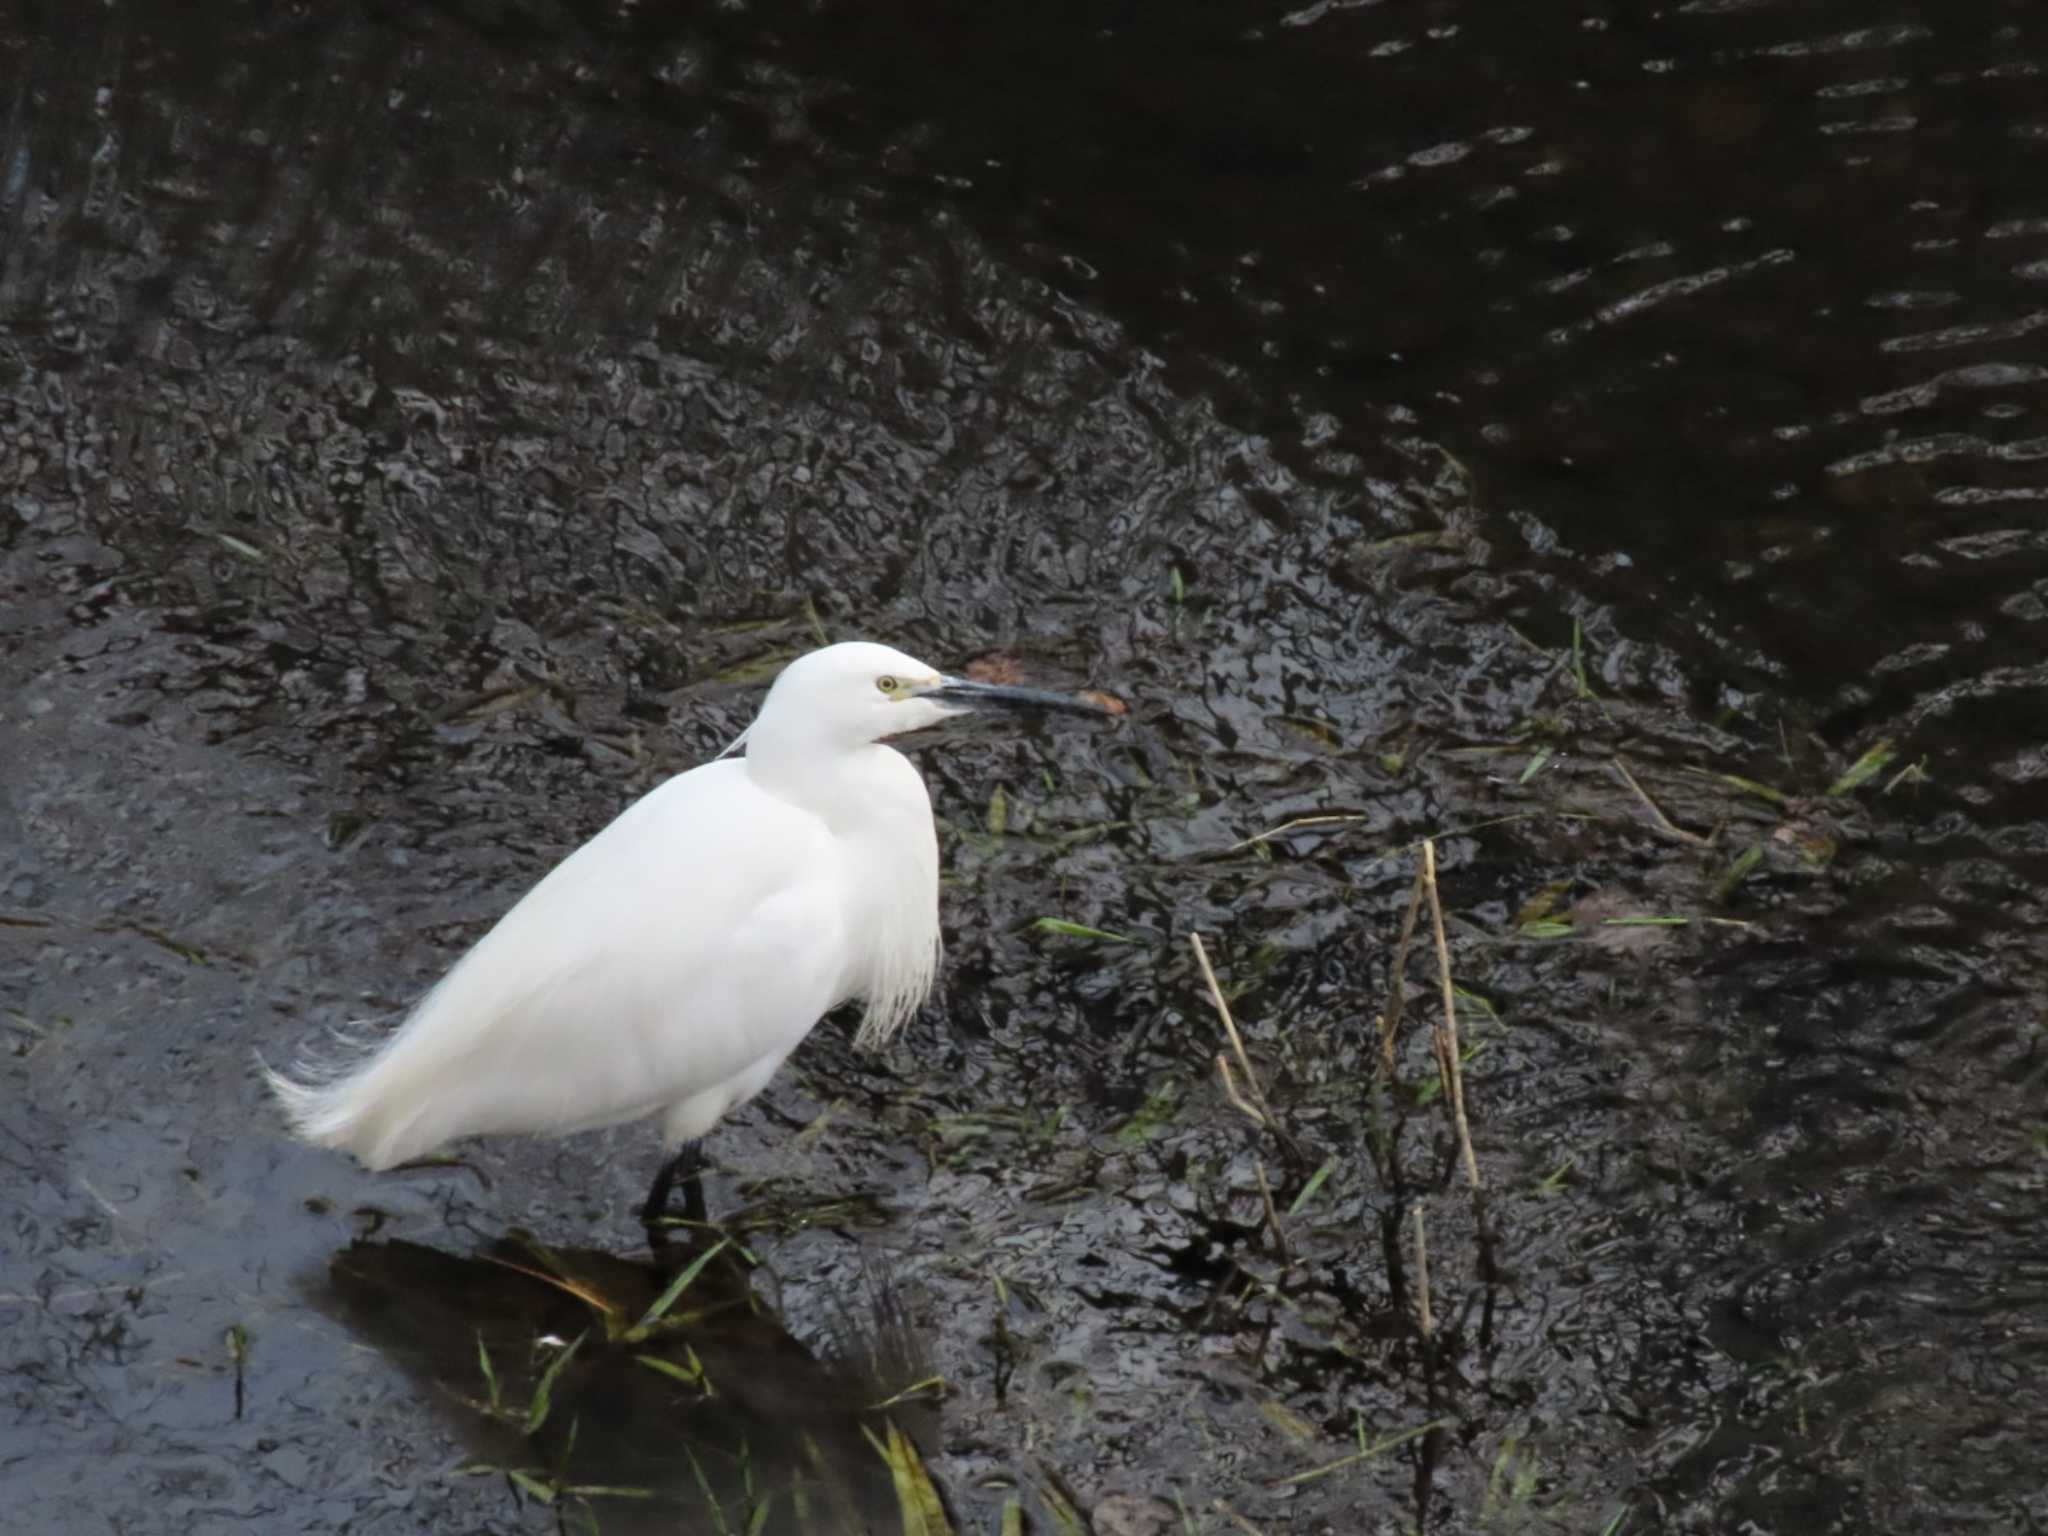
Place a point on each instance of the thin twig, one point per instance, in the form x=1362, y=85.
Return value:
x=1663, y=823
x=1272, y=1213
x=1390, y=854
x=1390, y=1021
x=1298, y=824
x=1449, y=1038
x=1427, y=1318
x=1264, y=1113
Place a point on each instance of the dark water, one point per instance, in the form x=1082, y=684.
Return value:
x=424, y=428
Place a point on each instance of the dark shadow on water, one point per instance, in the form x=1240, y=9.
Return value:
x=589, y=1381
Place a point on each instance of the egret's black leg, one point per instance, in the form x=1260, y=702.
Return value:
x=693, y=1186
x=688, y=1167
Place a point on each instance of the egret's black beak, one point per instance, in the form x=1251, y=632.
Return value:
x=965, y=693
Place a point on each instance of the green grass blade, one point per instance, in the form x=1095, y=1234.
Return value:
x=1864, y=769
x=1739, y=870
x=682, y=1373
x=1070, y=1522
x=483, y=1358
x=1368, y=1454
x=1315, y=1182
x=537, y=1411
x=1065, y=929
x=916, y=1498
x=1749, y=787
x=677, y=1286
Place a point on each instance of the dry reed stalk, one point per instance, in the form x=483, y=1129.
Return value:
x=1447, y=1054
x=1272, y=1213
x=1663, y=823
x=1252, y=1111
x=1258, y=1109
x=1427, y=1318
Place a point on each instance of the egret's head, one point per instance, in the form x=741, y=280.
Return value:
x=857, y=692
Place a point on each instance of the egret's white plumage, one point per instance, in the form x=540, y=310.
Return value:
x=671, y=963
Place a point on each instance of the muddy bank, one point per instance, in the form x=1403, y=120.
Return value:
x=423, y=442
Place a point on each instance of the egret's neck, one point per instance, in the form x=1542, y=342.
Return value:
x=834, y=782
x=880, y=814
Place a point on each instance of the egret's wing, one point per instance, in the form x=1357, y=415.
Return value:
x=697, y=934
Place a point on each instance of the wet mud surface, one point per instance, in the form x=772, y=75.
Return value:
x=1582, y=442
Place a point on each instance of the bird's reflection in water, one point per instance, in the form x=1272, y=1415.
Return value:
x=658, y=1394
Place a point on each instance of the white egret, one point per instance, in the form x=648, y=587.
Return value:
x=671, y=963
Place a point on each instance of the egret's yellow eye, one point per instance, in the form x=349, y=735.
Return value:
x=887, y=684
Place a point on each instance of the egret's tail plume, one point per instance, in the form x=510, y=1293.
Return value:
x=332, y=1100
